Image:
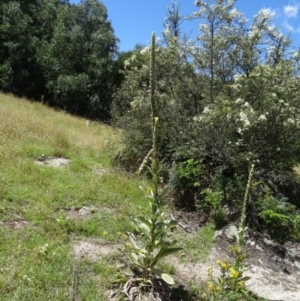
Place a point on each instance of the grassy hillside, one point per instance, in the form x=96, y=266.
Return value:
x=39, y=205
x=35, y=258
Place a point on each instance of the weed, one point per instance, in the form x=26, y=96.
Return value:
x=231, y=284
x=148, y=245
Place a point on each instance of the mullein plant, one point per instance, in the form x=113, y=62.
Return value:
x=147, y=244
x=242, y=226
x=231, y=284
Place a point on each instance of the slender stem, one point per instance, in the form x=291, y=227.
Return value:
x=245, y=204
x=155, y=163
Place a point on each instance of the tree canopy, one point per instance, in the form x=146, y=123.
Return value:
x=58, y=52
x=226, y=100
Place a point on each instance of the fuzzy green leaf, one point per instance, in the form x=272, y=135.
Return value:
x=167, y=278
x=245, y=278
x=164, y=252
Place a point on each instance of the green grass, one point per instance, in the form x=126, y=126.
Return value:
x=197, y=245
x=36, y=262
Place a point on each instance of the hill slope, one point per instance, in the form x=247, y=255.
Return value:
x=40, y=215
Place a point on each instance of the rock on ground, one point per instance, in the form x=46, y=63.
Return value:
x=274, y=269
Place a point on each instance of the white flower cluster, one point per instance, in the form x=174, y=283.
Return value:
x=145, y=50
x=197, y=118
x=254, y=33
x=239, y=100
x=236, y=77
x=262, y=117
x=130, y=60
x=206, y=110
x=244, y=119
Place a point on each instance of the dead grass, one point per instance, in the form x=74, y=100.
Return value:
x=23, y=122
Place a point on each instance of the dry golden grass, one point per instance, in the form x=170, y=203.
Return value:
x=23, y=123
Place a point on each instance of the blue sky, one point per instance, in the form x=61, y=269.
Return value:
x=135, y=20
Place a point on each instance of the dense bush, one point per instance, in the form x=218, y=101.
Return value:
x=175, y=80
x=226, y=100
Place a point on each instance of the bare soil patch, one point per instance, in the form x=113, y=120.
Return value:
x=52, y=161
x=274, y=269
x=86, y=212
x=92, y=250
x=15, y=224
x=190, y=221
x=101, y=171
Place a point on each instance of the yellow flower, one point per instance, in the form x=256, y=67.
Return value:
x=210, y=286
x=218, y=288
x=218, y=261
x=235, y=251
x=241, y=284
x=119, y=233
x=209, y=271
x=104, y=233
x=234, y=273
x=224, y=265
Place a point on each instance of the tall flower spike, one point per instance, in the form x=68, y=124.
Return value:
x=152, y=78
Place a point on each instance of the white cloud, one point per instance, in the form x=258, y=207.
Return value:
x=291, y=28
x=291, y=11
x=288, y=26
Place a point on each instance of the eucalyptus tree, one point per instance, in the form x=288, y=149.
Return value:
x=79, y=59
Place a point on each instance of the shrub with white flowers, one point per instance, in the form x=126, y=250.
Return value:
x=226, y=100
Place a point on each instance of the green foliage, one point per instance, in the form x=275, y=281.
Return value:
x=174, y=80
x=61, y=53
x=186, y=180
x=188, y=173
x=154, y=229
x=120, y=65
x=21, y=30
x=154, y=246
x=227, y=99
x=276, y=216
x=81, y=80
x=231, y=283
x=237, y=128
x=214, y=199
x=216, y=191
